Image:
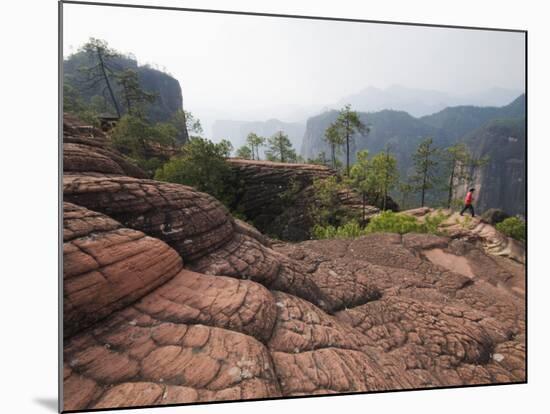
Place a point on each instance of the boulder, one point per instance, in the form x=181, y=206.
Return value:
x=494, y=215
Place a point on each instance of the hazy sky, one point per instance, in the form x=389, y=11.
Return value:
x=239, y=64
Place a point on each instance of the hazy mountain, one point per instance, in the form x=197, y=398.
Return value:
x=457, y=121
x=237, y=131
x=420, y=102
x=477, y=126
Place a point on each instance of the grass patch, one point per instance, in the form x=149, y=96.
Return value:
x=385, y=222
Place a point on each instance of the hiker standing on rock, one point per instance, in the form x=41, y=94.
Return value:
x=468, y=202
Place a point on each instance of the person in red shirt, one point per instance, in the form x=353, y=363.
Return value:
x=468, y=202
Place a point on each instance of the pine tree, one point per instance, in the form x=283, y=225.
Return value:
x=425, y=163
x=280, y=148
x=347, y=124
x=255, y=141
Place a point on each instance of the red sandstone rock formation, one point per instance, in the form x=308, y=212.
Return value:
x=169, y=300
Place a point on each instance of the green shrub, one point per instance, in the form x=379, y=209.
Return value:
x=201, y=165
x=385, y=222
x=433, y=221
x=513, y=227
x=390, y=222
x=349, y=230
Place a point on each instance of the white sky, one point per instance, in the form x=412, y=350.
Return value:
x=244, y=64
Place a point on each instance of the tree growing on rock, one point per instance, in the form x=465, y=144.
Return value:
x=202, y=165
x=134, y=97
x=362, y=179
x=425, y=163
x=346, y=126
x=184, y=123
x=326, y=208
x=254, y=142
x=102, y=68
x=280, y=148
x=386, y=175
x=335, y=139
x=135, y=138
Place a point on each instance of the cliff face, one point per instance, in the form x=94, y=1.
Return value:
x=501, y=183
x=169, y=92
x=277, y=197
x=170, y=300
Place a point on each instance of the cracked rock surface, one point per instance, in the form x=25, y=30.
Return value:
x=170, y=300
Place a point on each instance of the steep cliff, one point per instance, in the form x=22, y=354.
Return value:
x=500, y=184
x=167, y=88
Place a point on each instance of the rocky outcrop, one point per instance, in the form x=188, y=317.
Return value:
x=501, y=183
x=494, y=216
x=169, y=300
x=166, y=87
x=277, y=197
x=474, y=230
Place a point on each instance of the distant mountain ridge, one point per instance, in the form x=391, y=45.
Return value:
x=469, y=124
x=421, y=102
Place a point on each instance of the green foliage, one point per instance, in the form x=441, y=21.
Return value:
x=101, y=68
x=202, y=165
x=254, y=142
x=385, y=175
x=349, y=230
x=244, y=152
x=289, y=196
x=425, y=161
x=136, y=138
x=344, y=128
x=433, y=221
x=374, y=177
x=321, y=159
x=390, y=222
x=325, y=210
x=226, y=147
x=335, y=137
x=73, y=103
x=405, y=190
x=513, y=227
x=134, y=97
x=280, y=148
x=385, y=222
x=193, y=124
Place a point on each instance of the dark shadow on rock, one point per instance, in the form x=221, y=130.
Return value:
x=49, y=403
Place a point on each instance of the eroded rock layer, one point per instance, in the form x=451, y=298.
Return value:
x=169, y=300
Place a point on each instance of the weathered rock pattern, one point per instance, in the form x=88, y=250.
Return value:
x=169, y=300
x=107, y=267
x=475, y=230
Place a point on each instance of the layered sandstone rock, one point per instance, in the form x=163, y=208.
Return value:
x=277, y=197
x=169, y=300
